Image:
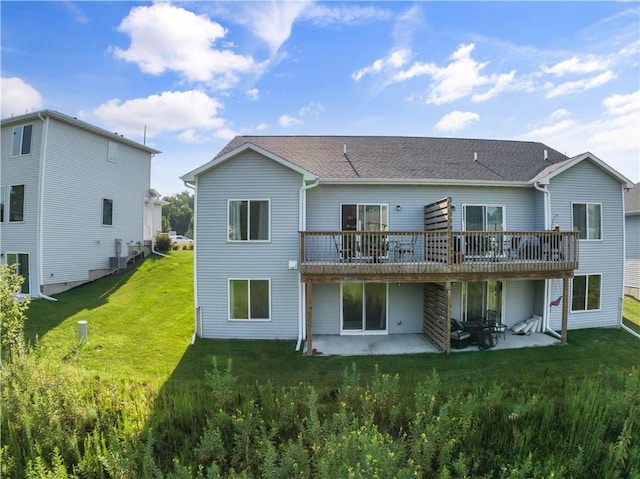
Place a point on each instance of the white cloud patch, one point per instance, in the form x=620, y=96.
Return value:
x=395, y=60
x=287, y=121
x=328, y=14
x=579, y=86
x=559, y=114
x=262, y=127
x=614, y=138
x=165, y=37
x=190, y=113
x=588, y=64
x=253, y=94
x=456, y=121
x=313, y=108
x=18, y=97
x=460, y=78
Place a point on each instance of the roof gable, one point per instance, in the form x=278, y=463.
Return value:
x=219, y=159
x=558, y=168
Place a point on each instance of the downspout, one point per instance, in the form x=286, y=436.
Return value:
x=43, y=157
x=196, y=309
x=547, y=216
x=302, y=202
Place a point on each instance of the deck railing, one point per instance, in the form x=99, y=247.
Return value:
x=419, y=252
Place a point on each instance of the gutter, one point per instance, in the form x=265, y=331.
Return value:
x=196, y=304
x=547, y=216
x=40, y=224
x=302, y=319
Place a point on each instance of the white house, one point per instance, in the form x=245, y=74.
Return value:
x=329, y=235
x=75, y=201
x=632, y=242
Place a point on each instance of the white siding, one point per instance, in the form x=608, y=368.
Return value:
x=78, y=177
x=587, y=183
x=632, y=253
x=22, y=170
x=248, y=176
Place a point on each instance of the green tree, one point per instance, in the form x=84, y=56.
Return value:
x=12, y=311
x=178, y=214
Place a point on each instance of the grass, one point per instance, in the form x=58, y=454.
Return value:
x=631, y=314
x=140, y=325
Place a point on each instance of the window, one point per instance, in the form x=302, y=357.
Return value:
x=16, y=203
x=364, y=307
x=483, y=218
x=112, y=153
x=1, y=204
x=587, y=220
x=586, y=292
x=22, y=260
x=249, y=220
x=364, y=217
x=21, y=144
x=107, y=212
x=249, y=299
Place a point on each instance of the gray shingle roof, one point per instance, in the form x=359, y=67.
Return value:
x=392, y=157
x=632, y=200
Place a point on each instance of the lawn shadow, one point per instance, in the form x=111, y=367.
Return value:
x=85, y=297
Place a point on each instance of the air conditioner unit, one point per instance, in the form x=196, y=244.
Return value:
x=117, y=262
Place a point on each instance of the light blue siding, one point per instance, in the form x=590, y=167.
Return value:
x=248, y=176
x=587, y=183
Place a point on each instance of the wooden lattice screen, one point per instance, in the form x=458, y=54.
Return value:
x=437, y=297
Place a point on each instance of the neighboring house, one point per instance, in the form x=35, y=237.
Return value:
x=75, y=202
x=632, y=242
x=297, y=236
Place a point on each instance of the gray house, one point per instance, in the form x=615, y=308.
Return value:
x=75, y=202
x=632, y=242
x=328, y=235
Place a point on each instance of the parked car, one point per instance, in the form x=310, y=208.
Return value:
x=180, y=239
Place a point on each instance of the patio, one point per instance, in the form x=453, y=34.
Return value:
x=361, y=345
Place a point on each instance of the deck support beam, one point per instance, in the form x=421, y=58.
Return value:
x=309, y=311
x=565, y=308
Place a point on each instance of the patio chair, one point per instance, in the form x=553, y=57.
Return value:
x=460, y=338
x=345, y=246
x=491, y=320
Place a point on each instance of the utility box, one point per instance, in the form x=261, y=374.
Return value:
x=117, y=262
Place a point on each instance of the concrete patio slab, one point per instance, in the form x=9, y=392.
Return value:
x=367, y=345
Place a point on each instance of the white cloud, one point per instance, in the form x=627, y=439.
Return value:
x=287, y=120
x=458, y=79
x=253, y=94
x=579, y=86
x=262, y=127
x=165, y=37
x=313, y=108
x=456, y=120
x=560, y=113
x=614, y=137
x=167, y=112
x=622, y=104
x=588, y=64
x=396, y=59
x=225, y=133
x=327, y=14
x=271, y=21
x=18, y=97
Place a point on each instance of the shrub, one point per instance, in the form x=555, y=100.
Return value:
x=162, y=242
x=13, y=310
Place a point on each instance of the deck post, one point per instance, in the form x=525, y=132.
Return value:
x=565, y=308
x=309, y=301
x=447, y=326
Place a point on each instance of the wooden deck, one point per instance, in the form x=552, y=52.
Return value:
x=417, y=256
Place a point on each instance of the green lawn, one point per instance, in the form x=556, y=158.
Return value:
x=140, y=325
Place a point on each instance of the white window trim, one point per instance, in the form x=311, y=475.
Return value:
x=21, y=127
x=6, y=261
x=248, y=232
x=587, y=203
x=363, y=332
x=102, y=213
x=248, y=320
x=586, y=296
x=113, y=147
x=7, y=205
x=485, y=205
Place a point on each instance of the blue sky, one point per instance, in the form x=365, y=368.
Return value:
x=197, y=73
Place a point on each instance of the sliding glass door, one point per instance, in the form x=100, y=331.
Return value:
x=364, y=307
x=480, y=296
